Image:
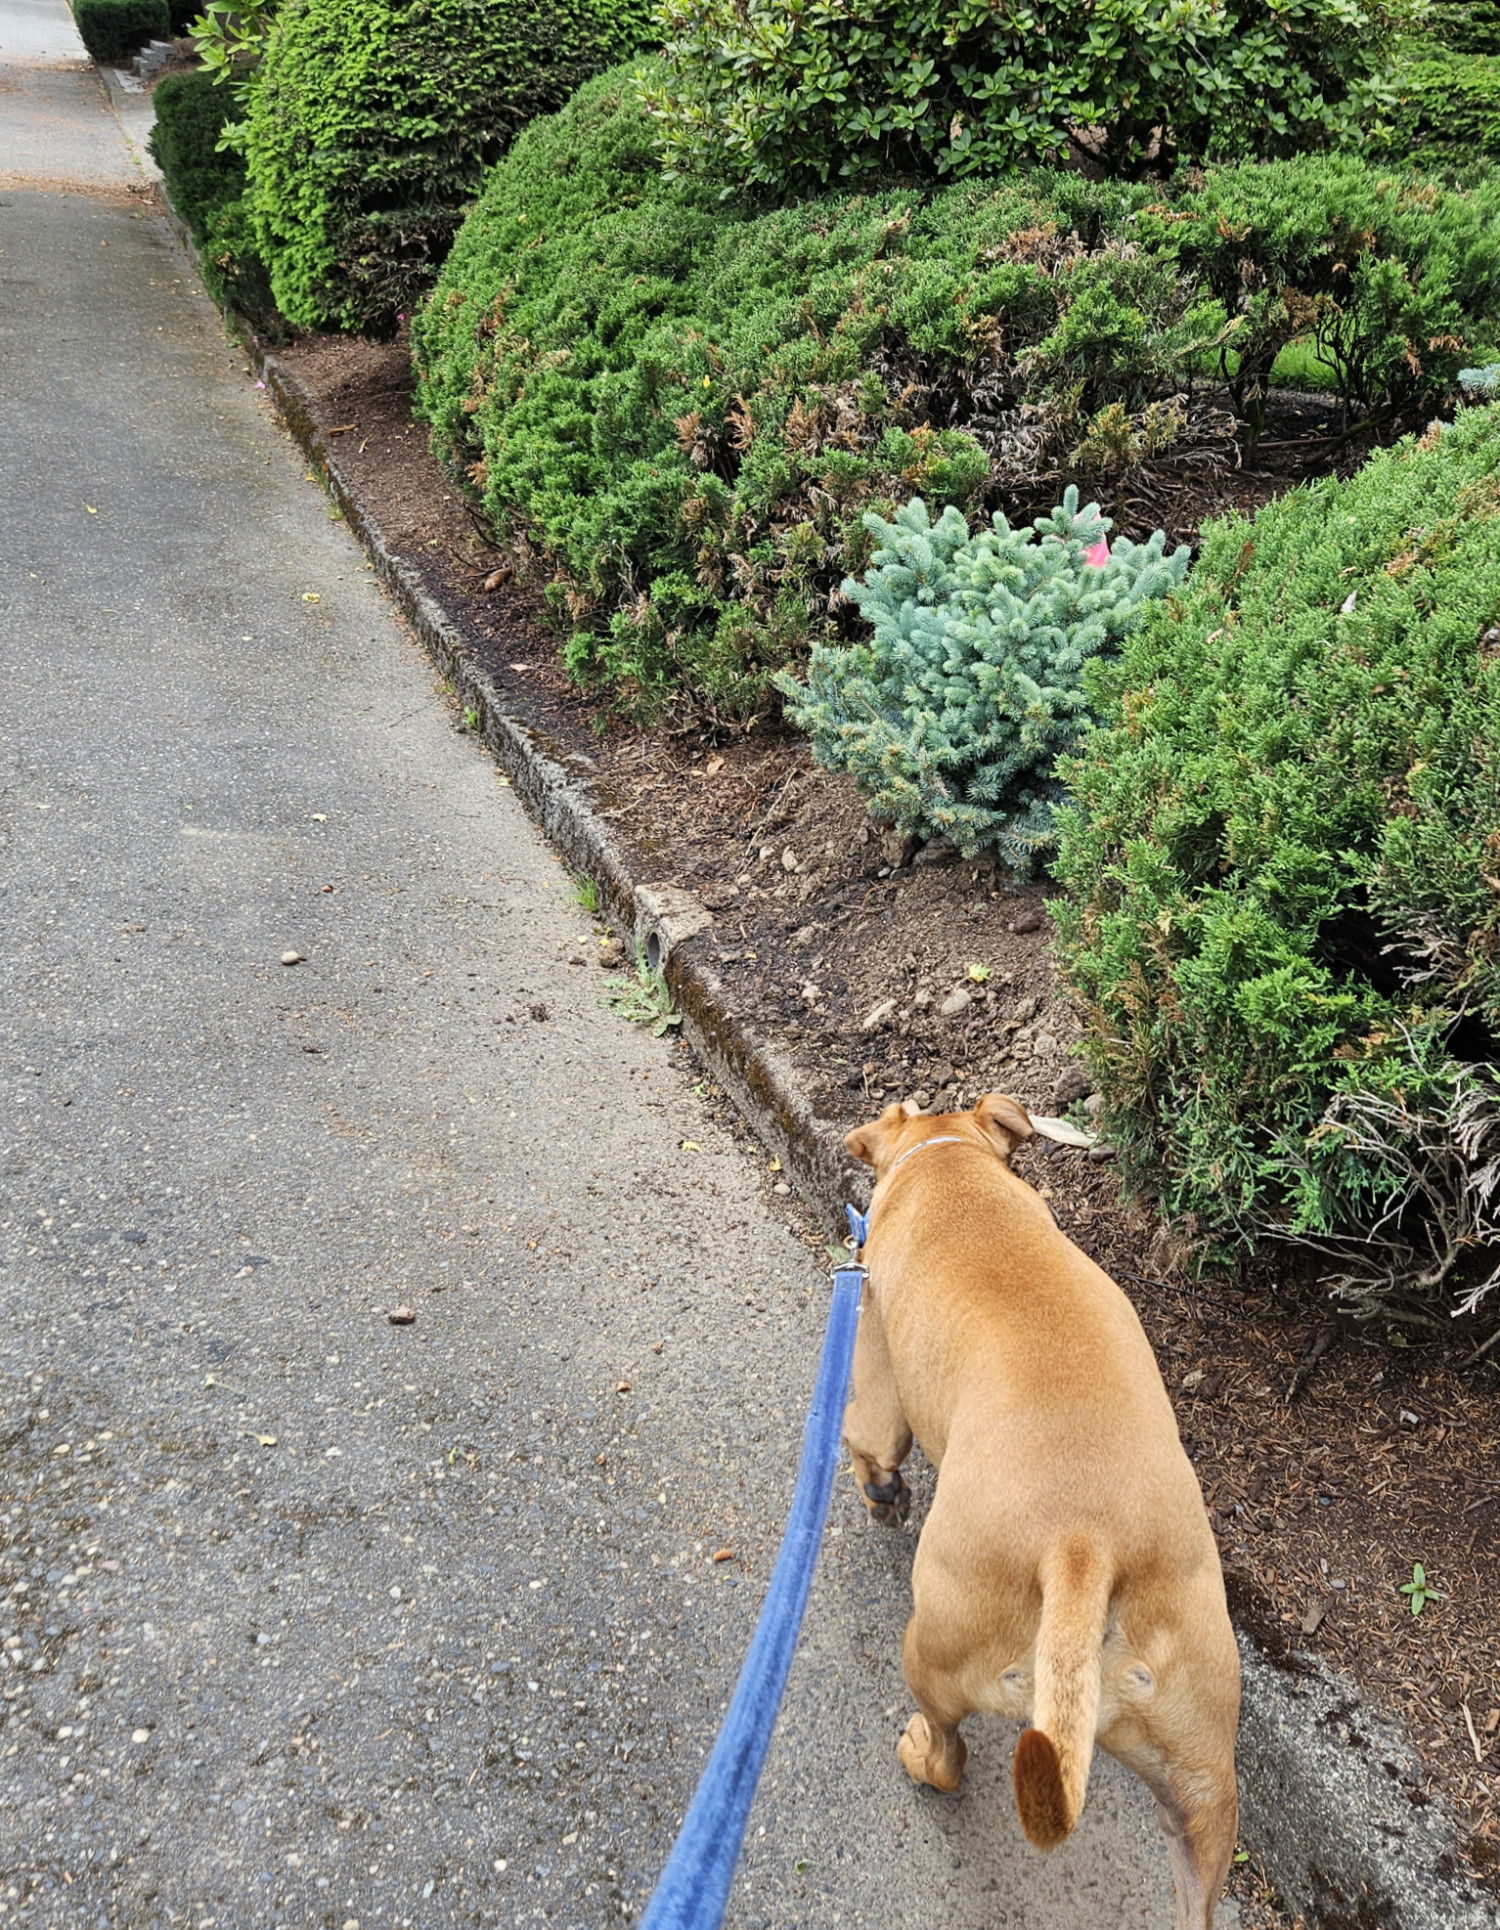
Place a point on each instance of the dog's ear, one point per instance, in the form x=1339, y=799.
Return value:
x=867, y=1142
x=1003, y=1121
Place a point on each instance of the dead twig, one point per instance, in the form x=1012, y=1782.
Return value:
x=1321, y=1341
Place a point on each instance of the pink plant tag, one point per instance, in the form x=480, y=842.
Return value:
x=1098, y=556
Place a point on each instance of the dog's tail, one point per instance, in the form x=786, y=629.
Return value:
x=1051, y=1767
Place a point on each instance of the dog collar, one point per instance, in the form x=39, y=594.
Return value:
x=938, y=1139
x=859, y=1223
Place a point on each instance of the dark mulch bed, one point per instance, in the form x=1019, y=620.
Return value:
x=1331, y=1459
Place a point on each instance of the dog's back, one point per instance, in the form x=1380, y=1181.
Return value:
x=1067, y=1572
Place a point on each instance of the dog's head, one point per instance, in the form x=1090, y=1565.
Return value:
x=1001, y=1122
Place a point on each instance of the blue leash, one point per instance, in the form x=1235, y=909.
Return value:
x=694, y=1887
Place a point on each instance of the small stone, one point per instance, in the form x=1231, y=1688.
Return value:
x=1094, y=1104
x=781, y=1188
x=611, y=953
x=789, y=860
x=291, y=958
x=1101, y=1153
x=401, y=1316
x=897, y=848
x=880, y=1016
x=804, y=937
x=1026, y=921
x=140, y=1735
x=622, y=1387
x=956, y=1002
x=1074, y=1085
x=921, y=1098
x=496, y=577
x=937, y=850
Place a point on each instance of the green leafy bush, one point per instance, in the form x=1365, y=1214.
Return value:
x=205, y=182
x=681, y=408
x=230, y=38
x=952, y=713
x=1281, y=846
x=115, y=29
x=760, y=94
x=371, y=126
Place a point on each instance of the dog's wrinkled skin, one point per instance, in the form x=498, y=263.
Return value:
x=1067, y=1574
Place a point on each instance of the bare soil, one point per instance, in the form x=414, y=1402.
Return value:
x=1331, y=1458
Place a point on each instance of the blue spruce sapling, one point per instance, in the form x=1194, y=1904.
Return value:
x=951, y=716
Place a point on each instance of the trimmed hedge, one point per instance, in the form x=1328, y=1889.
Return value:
x=115, y=29
x=373, y=122
x=765, y=95
x=1284, y=928
x=190, y=116
x=207, y=188
x=683, y=407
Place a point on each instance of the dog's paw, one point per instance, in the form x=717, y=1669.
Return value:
x=926, y=1764
x=889, y=1502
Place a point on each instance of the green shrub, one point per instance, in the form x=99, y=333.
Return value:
x=1392, y=282
x=1447, y=111
x=372, y=123
x=114, y=29
x=206, y=185
x=230, y=38
x=1466, y=26
x=184, y=142
x=760, y=94
x=1281, y=847
x=951, y=715
x=182, y=14
x=682, y=408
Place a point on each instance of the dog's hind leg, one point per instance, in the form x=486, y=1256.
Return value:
x=1200, y=1842
x=875, y=1429
x=932, y=1750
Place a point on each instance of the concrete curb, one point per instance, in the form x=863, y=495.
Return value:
x=1333, y=1800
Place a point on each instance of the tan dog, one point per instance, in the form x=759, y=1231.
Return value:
x=1067, y=1574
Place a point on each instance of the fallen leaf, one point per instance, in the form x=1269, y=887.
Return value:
x=713, y=767
x=691, y=1146
x=311, y=596
x=266, y=1440
x=91, y=510
x=622, y=1387
x=774, y=1167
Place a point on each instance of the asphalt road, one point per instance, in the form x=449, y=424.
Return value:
x=308, y=1618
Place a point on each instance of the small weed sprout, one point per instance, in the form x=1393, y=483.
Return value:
x=644, y=999
x=471, y=717
x=1420, y=1590
x=586, y=893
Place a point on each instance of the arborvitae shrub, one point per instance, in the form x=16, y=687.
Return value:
x=952, y=713
x=760, y=94
x=115, y=29
x=373, y=122
x=1281, y=848
x=682, y=408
